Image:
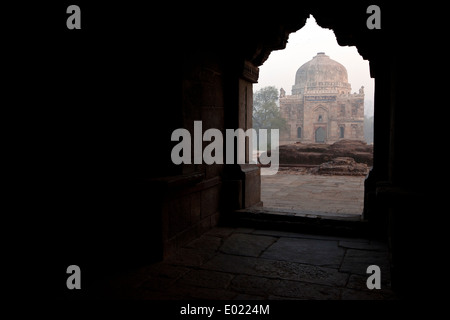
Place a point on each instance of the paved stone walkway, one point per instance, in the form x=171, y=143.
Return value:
x=331, y=194
x=249, y=264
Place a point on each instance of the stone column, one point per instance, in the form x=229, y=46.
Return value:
x=242, y=182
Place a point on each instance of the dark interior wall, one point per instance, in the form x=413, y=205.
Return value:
x=109, y=97
x=100, y=105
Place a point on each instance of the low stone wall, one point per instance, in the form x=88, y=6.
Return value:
x=341, y=166
x=317, y=154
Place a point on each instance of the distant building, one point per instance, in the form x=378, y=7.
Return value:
x=321, y=108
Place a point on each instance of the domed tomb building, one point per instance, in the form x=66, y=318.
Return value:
x=321, y=108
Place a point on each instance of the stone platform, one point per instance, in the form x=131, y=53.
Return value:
x=314, y=193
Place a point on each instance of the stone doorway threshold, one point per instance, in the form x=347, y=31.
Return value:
x=300, y=221
x=304, y=213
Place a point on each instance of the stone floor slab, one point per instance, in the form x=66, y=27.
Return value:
x=359, y=282
x=281, y=288
x=357, y=261
x=246, y=244
x=232, y=264
x=206, y=279
x=251, y=285
x=317, y=252
x=276, y=269
x=374, y=246
x=305, y=291
x=300, y=272
x=271, y=265
x=206, y=243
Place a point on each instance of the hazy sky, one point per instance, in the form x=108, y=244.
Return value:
x=280, y=68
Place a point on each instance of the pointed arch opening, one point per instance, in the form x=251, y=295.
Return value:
x=320, y=104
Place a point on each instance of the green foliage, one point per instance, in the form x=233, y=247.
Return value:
x=266, y=113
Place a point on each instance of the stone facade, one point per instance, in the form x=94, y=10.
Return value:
x=321, y=108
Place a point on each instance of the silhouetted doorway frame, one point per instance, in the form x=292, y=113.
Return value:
x=381, y=92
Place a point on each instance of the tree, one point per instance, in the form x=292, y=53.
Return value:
x=368, y=129
x=266, y=113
